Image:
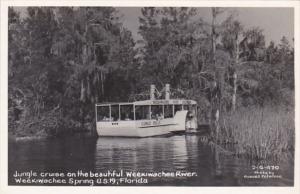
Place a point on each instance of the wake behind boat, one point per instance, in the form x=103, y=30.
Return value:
x=147, y=117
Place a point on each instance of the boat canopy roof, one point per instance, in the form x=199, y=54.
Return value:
x=152, y=102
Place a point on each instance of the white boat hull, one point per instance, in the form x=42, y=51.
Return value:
x=143, y=128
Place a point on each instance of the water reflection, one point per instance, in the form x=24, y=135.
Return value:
x=147, y=154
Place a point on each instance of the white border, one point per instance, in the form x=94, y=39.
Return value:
x=4, y=189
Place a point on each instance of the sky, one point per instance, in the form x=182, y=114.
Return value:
x=275, y=22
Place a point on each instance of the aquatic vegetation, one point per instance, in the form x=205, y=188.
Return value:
x=259, y=133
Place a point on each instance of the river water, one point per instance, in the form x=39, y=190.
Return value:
x=192, y=160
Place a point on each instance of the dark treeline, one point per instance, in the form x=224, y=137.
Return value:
x=64, y=60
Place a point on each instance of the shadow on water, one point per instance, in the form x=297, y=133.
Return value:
x=184, y=153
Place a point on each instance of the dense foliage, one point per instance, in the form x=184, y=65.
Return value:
x=64, y=60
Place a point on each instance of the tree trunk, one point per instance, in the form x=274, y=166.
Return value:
x=84, y=63
x=234, y=91
x=234, y=73
x=215, y=101
x=102, y=84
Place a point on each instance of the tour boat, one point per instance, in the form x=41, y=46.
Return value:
x=146, y=118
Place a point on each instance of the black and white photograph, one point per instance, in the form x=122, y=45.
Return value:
x=142, y=96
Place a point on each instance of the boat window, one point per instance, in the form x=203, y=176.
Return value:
x=186, y=107
x=127, y=112
x=190, y=107
x=142, y=112
x=168, y=111
x=157, y=112
x=115, y=112
x=177, y=107
x=103, y=113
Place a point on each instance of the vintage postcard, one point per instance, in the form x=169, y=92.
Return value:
x=140, y=96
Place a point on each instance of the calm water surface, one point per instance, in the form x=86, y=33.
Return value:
x=186, y=153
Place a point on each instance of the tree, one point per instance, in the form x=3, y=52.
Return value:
x=253, y=44
x=105, y=51
x=218, y=70
x=286, y=57
x=16, y=56
x=168, y=41
x=34, y=39
x=231, y=38
x=271, y=53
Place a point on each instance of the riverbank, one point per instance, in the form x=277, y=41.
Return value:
x=26, y=138
x=45, y=125
x=47, y=137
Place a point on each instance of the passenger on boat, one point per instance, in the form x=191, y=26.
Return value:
x=106, y=118
x=160, y=116
x=127, y=117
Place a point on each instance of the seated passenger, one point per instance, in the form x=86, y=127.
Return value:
x=160, y=116
x=127, y=117
x=105, y=118
x=154, y=116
